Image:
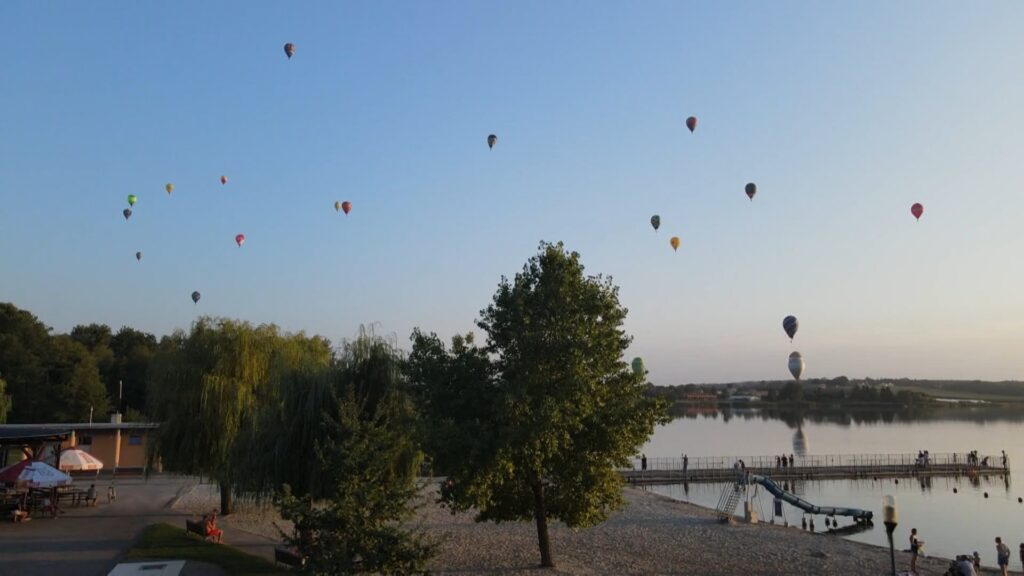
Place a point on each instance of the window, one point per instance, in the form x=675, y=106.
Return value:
x=135, y=440
x=85, y=440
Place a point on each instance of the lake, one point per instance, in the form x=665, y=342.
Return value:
x=949, y=523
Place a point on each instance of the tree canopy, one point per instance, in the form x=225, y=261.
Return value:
x=565, y=411
x=49, y=378
x=205, y=385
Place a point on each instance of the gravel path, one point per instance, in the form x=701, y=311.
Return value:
x=651, y=535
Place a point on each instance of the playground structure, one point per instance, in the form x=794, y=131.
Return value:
x=739, y=490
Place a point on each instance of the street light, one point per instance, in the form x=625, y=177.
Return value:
x=891, y=516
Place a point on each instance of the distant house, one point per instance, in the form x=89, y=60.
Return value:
x=697, y=397
x=114, y=443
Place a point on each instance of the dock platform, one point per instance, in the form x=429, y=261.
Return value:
x=813, y=467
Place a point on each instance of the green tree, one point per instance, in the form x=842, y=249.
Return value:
x=455, y=391
x=791, y=391
x=5, y=402
x=73, y=383
x=567, y=411
x=349, y=500
x=205, y=385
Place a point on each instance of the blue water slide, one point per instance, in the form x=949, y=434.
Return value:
x=804, y=505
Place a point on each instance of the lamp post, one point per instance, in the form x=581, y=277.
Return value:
x=891, y=516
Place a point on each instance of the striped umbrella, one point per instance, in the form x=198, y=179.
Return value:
x=75, y=459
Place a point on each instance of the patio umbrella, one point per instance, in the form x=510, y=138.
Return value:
x=34, y=474
x=75, y=459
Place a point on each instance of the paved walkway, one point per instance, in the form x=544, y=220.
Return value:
x=87, y=541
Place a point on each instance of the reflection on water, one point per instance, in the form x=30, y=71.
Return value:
x=955, y=515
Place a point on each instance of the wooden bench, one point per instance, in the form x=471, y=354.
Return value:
x=197, y=527
x=288, y=557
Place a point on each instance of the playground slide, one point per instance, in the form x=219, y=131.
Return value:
x=806, y=506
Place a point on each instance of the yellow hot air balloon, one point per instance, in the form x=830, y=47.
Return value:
x=674, y=242
x=169, y=187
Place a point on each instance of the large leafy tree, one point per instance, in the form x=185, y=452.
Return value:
x=566, y=410
x=205, y=385
x=349, y=499
x=122, y=359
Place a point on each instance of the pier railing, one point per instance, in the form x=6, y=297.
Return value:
x=722, y=468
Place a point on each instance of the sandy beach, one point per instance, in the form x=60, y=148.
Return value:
x=652, y=534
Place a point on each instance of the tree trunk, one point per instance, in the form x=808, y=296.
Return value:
x=226, y=504
x=542, y=526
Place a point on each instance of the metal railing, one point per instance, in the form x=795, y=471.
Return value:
x=862, y=461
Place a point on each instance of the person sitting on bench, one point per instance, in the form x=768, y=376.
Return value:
x=90, y=495
x=213, y=533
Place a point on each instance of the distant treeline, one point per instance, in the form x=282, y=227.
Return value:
x=47, y=377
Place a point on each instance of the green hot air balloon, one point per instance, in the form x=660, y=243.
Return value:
x=638, y=366
x=132, y=199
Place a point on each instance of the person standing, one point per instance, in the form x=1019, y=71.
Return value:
x=1002, y=555
x=790, y=460
x=915, y=549
x=1022, y=553
x=686, y=463
x=643, y=461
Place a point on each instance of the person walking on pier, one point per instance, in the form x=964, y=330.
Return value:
x=791, y=461
x=1005, y=460
x=1002, y=556
x=686, y=463
x=643, y=462
x=915, y=549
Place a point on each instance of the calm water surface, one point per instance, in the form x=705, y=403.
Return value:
x=949, y=523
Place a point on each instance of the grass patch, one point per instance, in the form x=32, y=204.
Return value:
x=166, y=542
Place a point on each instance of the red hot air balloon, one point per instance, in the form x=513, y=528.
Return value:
x=223, y=180
x=289, y=50
x=240, y=239
x=346, y=207
x=917, y=209
x=691, y=123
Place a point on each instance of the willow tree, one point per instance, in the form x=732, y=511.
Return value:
x=5, y=402
x=337, y=447
x=205, y=386
x=566, y=409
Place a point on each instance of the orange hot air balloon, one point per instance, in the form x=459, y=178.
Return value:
x=674, y=242
x=346, y=207
x=289, y=50
x=240, y=239
x=917, y=209
x=691, y=123
x=223, y=180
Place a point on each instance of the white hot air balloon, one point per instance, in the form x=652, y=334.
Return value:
x=796, y=365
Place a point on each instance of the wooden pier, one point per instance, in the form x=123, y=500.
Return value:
x=813, y=467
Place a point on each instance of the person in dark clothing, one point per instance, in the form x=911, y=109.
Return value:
x=643, y=461
x=790, y=460
x=686, y=463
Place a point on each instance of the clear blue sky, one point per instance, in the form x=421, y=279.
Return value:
x=844, y=113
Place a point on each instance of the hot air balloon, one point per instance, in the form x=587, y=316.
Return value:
x=656, y=222
x=346, y=207
x=751, y=189
x=240, y=239
x=691, y=123
x=337, y=206
x=638, y=366
x=674, y=242
x=796, y=365
x=169, y=187
x=289, y=50
x=790, y=325
x=138, y=255
x=917, y=209
x=223, y=180
x=132, y=199
x=127, y=213
x=491, y=141
x=195, y=297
